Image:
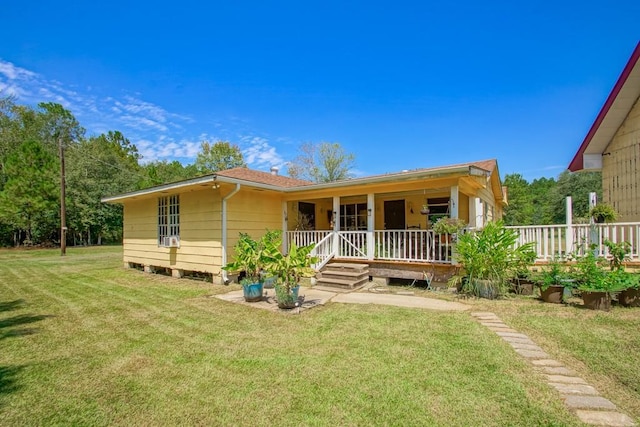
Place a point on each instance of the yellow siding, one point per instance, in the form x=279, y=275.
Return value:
x=200, y=248
x=620, y=162
x=252, y=212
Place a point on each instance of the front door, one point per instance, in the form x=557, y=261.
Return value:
x=394, y=218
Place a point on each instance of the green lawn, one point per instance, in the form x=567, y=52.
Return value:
x=85, y=342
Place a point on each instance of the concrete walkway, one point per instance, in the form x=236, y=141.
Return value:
x=311, y=297
x=400, y=301
x=580, y=397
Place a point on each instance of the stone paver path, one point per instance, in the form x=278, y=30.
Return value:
x=580, y=397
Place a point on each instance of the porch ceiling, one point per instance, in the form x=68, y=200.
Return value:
x=386, y=188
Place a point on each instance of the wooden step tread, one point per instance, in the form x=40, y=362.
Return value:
x=339, y=282
x=344, y=273
x=346, y=266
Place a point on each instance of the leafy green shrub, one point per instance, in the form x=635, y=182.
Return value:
x=492, y=254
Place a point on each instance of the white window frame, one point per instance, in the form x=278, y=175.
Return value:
x=168, y=218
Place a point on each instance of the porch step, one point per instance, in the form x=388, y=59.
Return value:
x=343, y=275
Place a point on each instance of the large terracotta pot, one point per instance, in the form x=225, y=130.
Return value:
x=597, y=300
x=552, y=294
x=252, y=292
x=629, y=298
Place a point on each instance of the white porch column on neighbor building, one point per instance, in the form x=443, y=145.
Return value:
x=476, y=213
x=336, y=224
x=285, y=227
x=568, y=241
x=371, y=225
x=453, y=201
x=472, y=211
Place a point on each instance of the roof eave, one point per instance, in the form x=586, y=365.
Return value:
x=577, y=163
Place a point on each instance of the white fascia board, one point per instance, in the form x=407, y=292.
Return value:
x=393, y=177
x=160, y=188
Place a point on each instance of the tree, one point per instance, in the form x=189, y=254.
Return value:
x=219, y=156
x=99, y=166
x=162, y=171
x=324, y=162
x=519, y=210
x=28, y=200
x=578, y=185
x=542, y=209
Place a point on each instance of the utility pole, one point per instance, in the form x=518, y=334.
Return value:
x=63, y=207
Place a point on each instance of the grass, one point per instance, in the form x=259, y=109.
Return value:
x=602, y=347
x=85, y=342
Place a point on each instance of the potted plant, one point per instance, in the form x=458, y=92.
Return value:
x=630, y=295
x=289, y=269
x=597, y=284
x=487, y=257
x=521, y=279
x=252, y=257
x=552, y=281
x=446, y=225
x=424, y=210
x=619, y=253
x=602, y=213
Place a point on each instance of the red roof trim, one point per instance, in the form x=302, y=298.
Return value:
x=577, y=162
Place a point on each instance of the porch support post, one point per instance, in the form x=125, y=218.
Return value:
x=285, y=227
x=569, y=231
x=473, y=214
x=453, y=208
x=336, y=224
x=371, y=224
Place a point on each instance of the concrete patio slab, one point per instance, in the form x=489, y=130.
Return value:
x=309, y=298
x=400, y=301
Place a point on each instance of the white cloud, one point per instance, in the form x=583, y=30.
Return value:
x=12, y=72
x=157, y=133
x=259, y=154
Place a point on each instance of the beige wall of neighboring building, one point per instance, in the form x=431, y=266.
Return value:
x=620, y=168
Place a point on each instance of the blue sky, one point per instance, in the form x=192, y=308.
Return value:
x=402, y=85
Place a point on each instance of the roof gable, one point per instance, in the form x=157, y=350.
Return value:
x=616, y=108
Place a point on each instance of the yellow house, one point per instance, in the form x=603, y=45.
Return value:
x=192, y=225
x=613, y=144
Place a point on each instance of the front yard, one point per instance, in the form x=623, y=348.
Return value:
x=85, y=342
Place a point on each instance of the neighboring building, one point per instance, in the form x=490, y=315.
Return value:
x=192, y=225
x=613, y=144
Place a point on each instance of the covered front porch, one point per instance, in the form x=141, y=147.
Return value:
x=386, y=225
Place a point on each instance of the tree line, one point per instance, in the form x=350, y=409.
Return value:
x=543, y=200
x=33, y=138
x=31, y=142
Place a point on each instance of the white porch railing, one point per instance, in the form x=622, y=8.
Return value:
x=390, y=245
x=305, y=238
x=561, y=240
x=324, y=251
x=424, y=246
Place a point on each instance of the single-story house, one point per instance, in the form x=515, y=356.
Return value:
x=192, y=225
x=612, y=144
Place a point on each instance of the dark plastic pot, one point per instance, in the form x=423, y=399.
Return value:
x=522, y=287
x=486, y=289
x=252, y=292
x=552, y=294
x=286, y=299
x=596, y=300
x=629, y=298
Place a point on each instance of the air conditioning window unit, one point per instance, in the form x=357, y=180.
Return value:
x=171, y=241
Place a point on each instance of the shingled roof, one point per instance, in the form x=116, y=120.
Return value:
x=260, y=177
